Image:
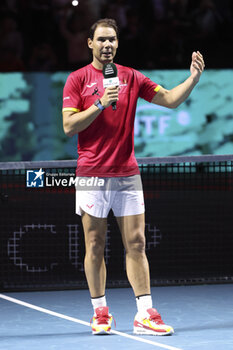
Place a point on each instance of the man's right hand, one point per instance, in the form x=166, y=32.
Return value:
x=111, y=94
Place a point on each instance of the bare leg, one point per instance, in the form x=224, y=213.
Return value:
x=133, y=235
x=94, y=264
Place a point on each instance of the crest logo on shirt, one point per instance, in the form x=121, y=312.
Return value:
x=124, y=83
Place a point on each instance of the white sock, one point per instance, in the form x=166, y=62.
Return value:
x=98, y=302
x=144, y=302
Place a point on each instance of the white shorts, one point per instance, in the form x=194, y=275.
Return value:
x=97, y=196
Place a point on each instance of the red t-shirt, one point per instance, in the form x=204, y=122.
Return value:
x=106, y=147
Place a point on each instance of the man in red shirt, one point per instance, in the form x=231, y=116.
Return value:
x=106, y=152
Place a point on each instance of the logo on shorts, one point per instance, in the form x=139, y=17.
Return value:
x=90, y=206
x=35, y=178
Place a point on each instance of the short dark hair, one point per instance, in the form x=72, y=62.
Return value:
x=105, y=22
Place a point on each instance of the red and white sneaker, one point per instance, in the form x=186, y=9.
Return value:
x=101, y=321
x=150, y=323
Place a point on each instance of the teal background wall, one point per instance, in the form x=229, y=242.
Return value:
x=31, y=119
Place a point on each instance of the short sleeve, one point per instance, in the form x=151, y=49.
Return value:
x=147, y=88
x=71, y=95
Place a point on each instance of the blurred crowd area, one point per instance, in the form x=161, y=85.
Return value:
x=51, y=35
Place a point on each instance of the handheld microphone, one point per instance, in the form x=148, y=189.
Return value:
x=110, y=78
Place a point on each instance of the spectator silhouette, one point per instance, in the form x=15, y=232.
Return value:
x=43, y=58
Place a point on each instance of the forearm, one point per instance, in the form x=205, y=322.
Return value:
x=180, y=93
x=174, y=97
x=75, y=122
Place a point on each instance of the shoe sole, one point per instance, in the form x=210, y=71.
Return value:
x=141, y=331
x=102, y=332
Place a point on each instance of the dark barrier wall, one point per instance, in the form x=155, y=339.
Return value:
x=189, y=231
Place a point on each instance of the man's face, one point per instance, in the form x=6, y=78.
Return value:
x=103, y=45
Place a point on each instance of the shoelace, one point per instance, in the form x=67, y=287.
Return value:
x=156, y=318
x=103, y=319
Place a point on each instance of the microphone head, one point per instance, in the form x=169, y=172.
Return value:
x=109, y=70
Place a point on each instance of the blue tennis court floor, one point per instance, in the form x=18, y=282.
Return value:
x=202, y=317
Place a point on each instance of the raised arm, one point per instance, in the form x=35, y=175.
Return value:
x=174, y=97
x=75, y=121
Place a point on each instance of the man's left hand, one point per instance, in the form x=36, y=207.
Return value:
x=197, y=65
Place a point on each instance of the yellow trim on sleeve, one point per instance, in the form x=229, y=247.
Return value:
x=70, y=109
x=157, y=88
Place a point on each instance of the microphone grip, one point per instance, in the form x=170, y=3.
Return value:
x=114, y=106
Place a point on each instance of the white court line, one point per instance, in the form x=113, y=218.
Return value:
x=56, y=314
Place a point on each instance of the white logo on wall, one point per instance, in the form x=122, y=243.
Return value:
x=19, y=251
x=147, y=119
x=15, y=253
